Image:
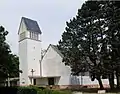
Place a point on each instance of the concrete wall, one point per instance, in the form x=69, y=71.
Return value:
x=33, y=56
x=29, y=55
x=22, y=56
x=64, y=80
x=42, y=81
x=76, y=80
x=23, y=62
x=53, y=66
x=87, y=80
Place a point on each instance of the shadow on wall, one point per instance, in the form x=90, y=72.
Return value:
x=74, y=80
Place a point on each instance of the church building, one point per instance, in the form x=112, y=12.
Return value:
x=47, y=69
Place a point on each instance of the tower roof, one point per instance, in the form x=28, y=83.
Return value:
x=31, y=25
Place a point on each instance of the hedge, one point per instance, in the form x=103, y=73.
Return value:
x=26, y=90
x=30, y=90
x=37, y=90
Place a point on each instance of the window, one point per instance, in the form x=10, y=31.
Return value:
x=22, y=36
x=30, y=34
x=34, y=35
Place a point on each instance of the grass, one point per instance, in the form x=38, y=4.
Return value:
x=95, y=90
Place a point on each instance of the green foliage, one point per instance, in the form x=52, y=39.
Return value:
x=47, y=91
x=26, y=90
x=62, y=92
x=39, y=90
x=9, y=63
x=4, y=53
x=13, y=66
x=81, y=40
x=36, y=90
x=91, y=41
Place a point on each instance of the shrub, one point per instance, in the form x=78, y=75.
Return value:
x=26, y=90
x=37, y=90
x=42, y=88
x=60, y=92
x=47, y=91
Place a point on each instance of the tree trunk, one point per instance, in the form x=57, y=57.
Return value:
x=100, y=82
x=111, y=80
x=118, y=80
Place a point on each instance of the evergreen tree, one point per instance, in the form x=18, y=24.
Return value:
x=91, y=41
x=81, y=41
x=9, y=63
x=112, y=15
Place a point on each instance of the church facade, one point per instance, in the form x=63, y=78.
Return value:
x=47, y=69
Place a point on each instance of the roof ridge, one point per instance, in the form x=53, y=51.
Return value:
x=31, y=25
x=28, y=19
x=55, y=48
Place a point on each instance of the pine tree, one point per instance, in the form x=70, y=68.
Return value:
x=9, y=63
x=91, y=41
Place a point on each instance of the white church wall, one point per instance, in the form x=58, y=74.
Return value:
x=29, y=54
x=87, y=81
x=23, y=60
x=76, y=80
x=33, y=56
x=52, y=64
x=105, y=81
x=64, y=80
x=22, y=55
x=48, y=64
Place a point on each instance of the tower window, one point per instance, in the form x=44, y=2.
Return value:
x=34, y=35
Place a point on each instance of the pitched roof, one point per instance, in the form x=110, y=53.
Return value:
x=31, y=25
x=56, y=49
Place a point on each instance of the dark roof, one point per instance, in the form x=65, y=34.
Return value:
x=31, y=25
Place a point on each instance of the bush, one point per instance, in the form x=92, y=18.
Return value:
x=47, y=91
x=60, y=92
x=26, y=90
x=37, y=90
x=42, y=88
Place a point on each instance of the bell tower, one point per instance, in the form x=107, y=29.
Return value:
x=29, y=49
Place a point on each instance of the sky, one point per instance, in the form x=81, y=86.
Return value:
x=51, y=16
